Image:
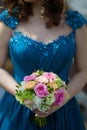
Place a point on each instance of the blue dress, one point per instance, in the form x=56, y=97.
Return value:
x=28, y=55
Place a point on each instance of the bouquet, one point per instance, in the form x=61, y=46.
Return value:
x=41, y=90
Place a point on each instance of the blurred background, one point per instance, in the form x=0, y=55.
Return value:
x=80, y=6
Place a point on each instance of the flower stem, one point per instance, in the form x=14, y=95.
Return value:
x=41, y=122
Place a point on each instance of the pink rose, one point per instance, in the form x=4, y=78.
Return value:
x=50, y=76
x=41, y=90
x=29, y=78
x=59, y=96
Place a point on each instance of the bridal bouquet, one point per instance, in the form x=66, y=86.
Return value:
x=41, y=90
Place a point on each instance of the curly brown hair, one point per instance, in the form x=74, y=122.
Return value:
x=52, y=10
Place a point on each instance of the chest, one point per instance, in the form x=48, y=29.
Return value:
x=37, y=30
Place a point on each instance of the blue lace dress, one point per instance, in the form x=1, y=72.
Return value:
x=28, y=55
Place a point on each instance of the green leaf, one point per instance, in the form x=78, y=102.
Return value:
x=59, y=83
x=40, y=71
x=18, y=86
x=50, y=88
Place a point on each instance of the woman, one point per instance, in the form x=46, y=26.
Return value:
x=42, y=34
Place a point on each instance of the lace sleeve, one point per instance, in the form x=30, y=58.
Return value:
x=75, y=19
x=8, y=20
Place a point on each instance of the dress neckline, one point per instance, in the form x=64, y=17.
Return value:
x=50, y=42
x=72, y=33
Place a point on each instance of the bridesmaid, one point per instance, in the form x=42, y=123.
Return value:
x=42, y=34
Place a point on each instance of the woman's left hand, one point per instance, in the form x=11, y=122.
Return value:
x=46, y=113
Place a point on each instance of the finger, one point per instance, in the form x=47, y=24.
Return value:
x=39, y=112
x=52, y=109
x=39, y=115
x=43, y=114
x=46, y=113
x=27, y=102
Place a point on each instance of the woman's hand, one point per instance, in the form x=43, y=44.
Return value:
x=39, y=113
x=46, y=113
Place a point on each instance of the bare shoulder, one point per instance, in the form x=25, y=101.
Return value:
x=81, y=49
x=5, y=30
x=81, y=35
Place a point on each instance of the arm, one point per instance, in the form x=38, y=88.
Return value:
x=72, y=72
x=79, y=79
x=6, y=80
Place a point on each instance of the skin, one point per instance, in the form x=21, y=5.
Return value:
x=30, y=28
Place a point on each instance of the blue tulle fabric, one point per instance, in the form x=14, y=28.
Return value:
x=28, y=55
